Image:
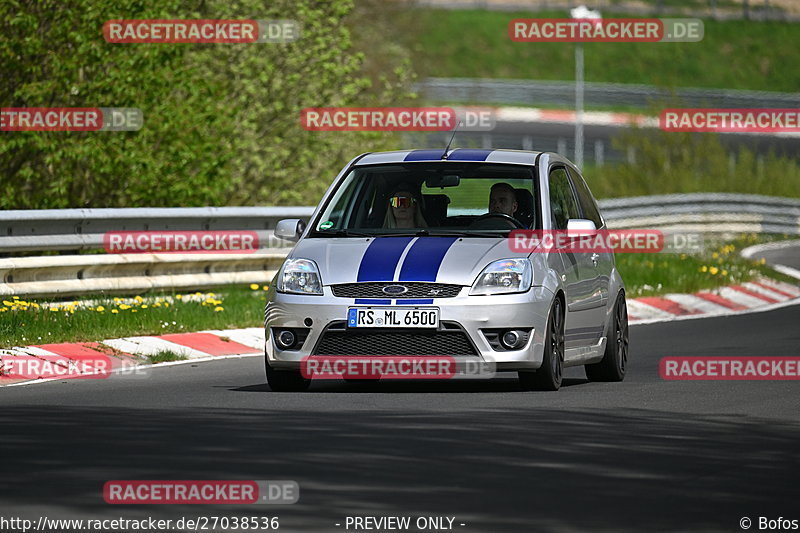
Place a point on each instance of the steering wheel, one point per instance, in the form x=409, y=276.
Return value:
x=502, y=216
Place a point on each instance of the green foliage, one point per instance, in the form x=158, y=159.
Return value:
x=670, y=162
x=221, y=121
x=735, y=54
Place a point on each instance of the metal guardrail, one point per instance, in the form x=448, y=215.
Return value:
x=82, y=229
x=562, y=93
x=705, y=212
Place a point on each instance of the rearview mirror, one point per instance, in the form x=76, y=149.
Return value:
x=438, y=180
x=290, y=229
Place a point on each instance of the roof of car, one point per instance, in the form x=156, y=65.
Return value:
x=520, y=157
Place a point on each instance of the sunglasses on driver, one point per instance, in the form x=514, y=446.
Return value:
x=402, y=201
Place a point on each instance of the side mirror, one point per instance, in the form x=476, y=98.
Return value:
x=580, y=224
x=290, y=229
x=578, y=228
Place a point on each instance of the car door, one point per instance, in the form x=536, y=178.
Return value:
x=603, y=262
x=584, y=311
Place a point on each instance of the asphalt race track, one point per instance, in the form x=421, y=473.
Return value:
x=645, y=454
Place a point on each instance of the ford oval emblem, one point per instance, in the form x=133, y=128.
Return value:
x=395, y=289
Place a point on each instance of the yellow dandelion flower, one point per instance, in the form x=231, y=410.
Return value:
x=133, y=311
x=703, y=268
x=218, y=309
x=265, y=288
x=54, y=309
x=115, y=311
x=724, y=272
x=254, y=286
x=15, y=297
x=138, y=299
x=124, y=306
x=713, y=271
x=179, y=296
x=166, y=304
x=9, y=304
x=100, y=309
x=714, y=255
x=144, y=306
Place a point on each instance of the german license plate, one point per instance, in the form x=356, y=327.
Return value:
x=392, y=317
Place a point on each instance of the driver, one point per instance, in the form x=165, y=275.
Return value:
x=503, y=199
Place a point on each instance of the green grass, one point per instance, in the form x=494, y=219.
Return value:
x=737, y=54
x=165, y=357
x=719, y=265
x=28, y=322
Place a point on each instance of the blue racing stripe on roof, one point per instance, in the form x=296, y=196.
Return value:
x=467, y=154
x=380, y=260
x=424, y=155
x=424, y=258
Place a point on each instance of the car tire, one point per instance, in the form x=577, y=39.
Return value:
x=549, y=375
x=612, y=366
x=286, y=380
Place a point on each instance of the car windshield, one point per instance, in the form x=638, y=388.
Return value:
x=477, y=199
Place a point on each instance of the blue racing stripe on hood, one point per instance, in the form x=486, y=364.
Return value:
x=424, y=155
x=466, y=154
x=424, y=258
x=381, y=258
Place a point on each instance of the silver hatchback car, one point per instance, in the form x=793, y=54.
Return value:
x=408, y=254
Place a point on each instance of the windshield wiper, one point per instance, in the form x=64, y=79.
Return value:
x=343, y=233
x=471, y=233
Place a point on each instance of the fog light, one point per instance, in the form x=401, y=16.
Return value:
x=511, y=339
x=285, y=339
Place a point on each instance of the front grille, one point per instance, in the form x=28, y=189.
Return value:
x=337, y=340
x=417, y=289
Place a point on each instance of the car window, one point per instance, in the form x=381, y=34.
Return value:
x=446, y=197
x=586, y=200
x=563, y=204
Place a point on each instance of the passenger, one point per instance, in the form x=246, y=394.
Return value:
x=404, y=210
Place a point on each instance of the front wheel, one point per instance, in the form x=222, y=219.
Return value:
x=286, y=380
x=548, y=377
x=612, y=366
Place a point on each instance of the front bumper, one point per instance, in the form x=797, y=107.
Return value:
x=475, y=316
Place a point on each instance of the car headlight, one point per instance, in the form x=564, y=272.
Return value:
x=504, y=277
x=300, y=276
